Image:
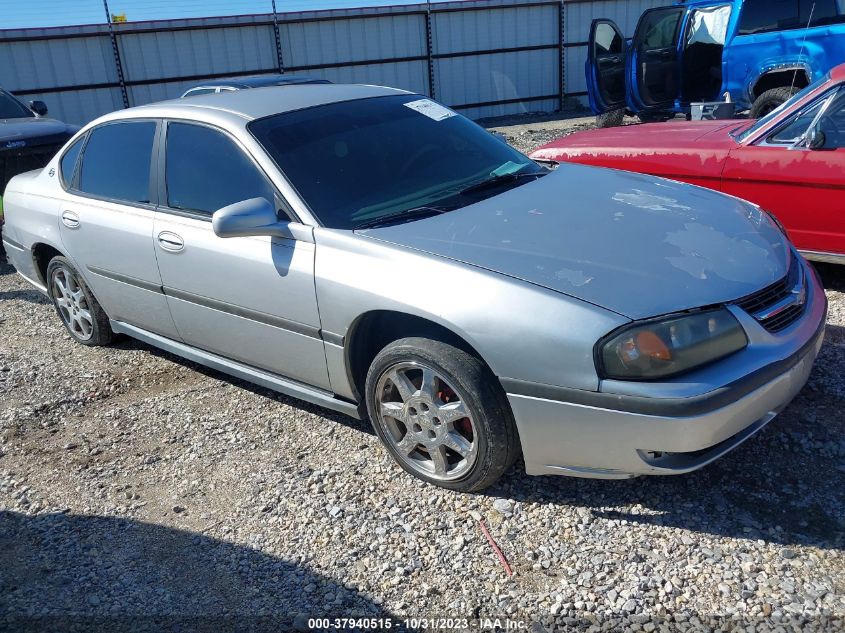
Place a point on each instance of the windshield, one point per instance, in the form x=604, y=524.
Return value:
x=11, y=108
x=354, y=162
x=764, y=121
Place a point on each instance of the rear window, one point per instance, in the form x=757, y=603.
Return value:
x=116, y=161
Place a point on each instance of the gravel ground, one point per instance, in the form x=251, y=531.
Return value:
x=139, y=491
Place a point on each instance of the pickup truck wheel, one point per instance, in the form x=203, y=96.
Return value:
x=75, y=304
x=441, y=414
x=610, y=119
x=770, y=100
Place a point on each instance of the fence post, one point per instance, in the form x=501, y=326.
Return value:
x=429, y=52
x=279, y=60
x=561, y=59
x=116, y=51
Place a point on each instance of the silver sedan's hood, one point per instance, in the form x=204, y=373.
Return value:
x=638, y=245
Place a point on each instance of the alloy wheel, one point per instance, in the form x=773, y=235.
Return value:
x=72, y=303
x=427, y=421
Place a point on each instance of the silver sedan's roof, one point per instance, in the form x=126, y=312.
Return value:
x=256, y=103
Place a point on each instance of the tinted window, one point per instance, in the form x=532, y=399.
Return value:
x=116, y=161
x=759, y=16
x=68, y=163
x=357, y=161
x=11, y=108
x=821, y=12
x=206, y=171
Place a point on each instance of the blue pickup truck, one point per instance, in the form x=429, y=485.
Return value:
x=759, y=51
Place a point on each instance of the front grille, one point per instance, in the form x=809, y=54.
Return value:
x=17, y=161
x=790, y=291
x=784, y=319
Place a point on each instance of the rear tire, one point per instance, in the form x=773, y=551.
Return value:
x=79, y=311
x=613, y=118
x=441, y=414
x=770, y=100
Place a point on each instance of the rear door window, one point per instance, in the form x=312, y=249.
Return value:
x=760, y=16
x=116, y=161
x=206, y=170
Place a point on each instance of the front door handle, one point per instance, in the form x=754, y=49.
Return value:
x=170, y=241
x=70, y=219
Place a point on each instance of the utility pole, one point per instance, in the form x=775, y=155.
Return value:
x=117, y=63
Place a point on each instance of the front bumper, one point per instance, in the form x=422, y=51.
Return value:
x=611, y=436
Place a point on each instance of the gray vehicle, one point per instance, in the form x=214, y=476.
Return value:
x=369, y=250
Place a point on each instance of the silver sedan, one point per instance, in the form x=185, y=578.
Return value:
x=372, y=251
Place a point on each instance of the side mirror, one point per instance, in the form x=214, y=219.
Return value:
x=815, y=138
x=256, y=216
x=39, y=107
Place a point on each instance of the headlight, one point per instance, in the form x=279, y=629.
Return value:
x=657, y=349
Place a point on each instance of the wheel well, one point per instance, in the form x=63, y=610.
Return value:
x=373, y=331
x=42, y=254
x=781, y=79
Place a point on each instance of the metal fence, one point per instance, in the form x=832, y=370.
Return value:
x=483, y=57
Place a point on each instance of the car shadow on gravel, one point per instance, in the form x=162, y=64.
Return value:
x=359, y=425
x=63, y=572
x=33, y=296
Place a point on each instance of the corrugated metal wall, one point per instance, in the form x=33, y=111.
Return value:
x=483, y=57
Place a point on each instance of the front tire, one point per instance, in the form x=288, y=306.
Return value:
x=441, y=414
x=79, y=311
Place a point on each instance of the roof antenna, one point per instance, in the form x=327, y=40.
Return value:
x=803, y=40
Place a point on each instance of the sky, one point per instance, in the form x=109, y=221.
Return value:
x=38, y=13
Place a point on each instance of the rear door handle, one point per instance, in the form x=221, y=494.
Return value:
x=70, y=219
x=170, y=241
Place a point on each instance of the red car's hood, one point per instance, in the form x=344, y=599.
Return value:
x=713, y=135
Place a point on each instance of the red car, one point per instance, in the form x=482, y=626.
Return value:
x=790, y=162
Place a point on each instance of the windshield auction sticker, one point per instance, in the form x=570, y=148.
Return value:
x=430, y=109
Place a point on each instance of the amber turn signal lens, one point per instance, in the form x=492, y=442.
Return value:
x=652, y=346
